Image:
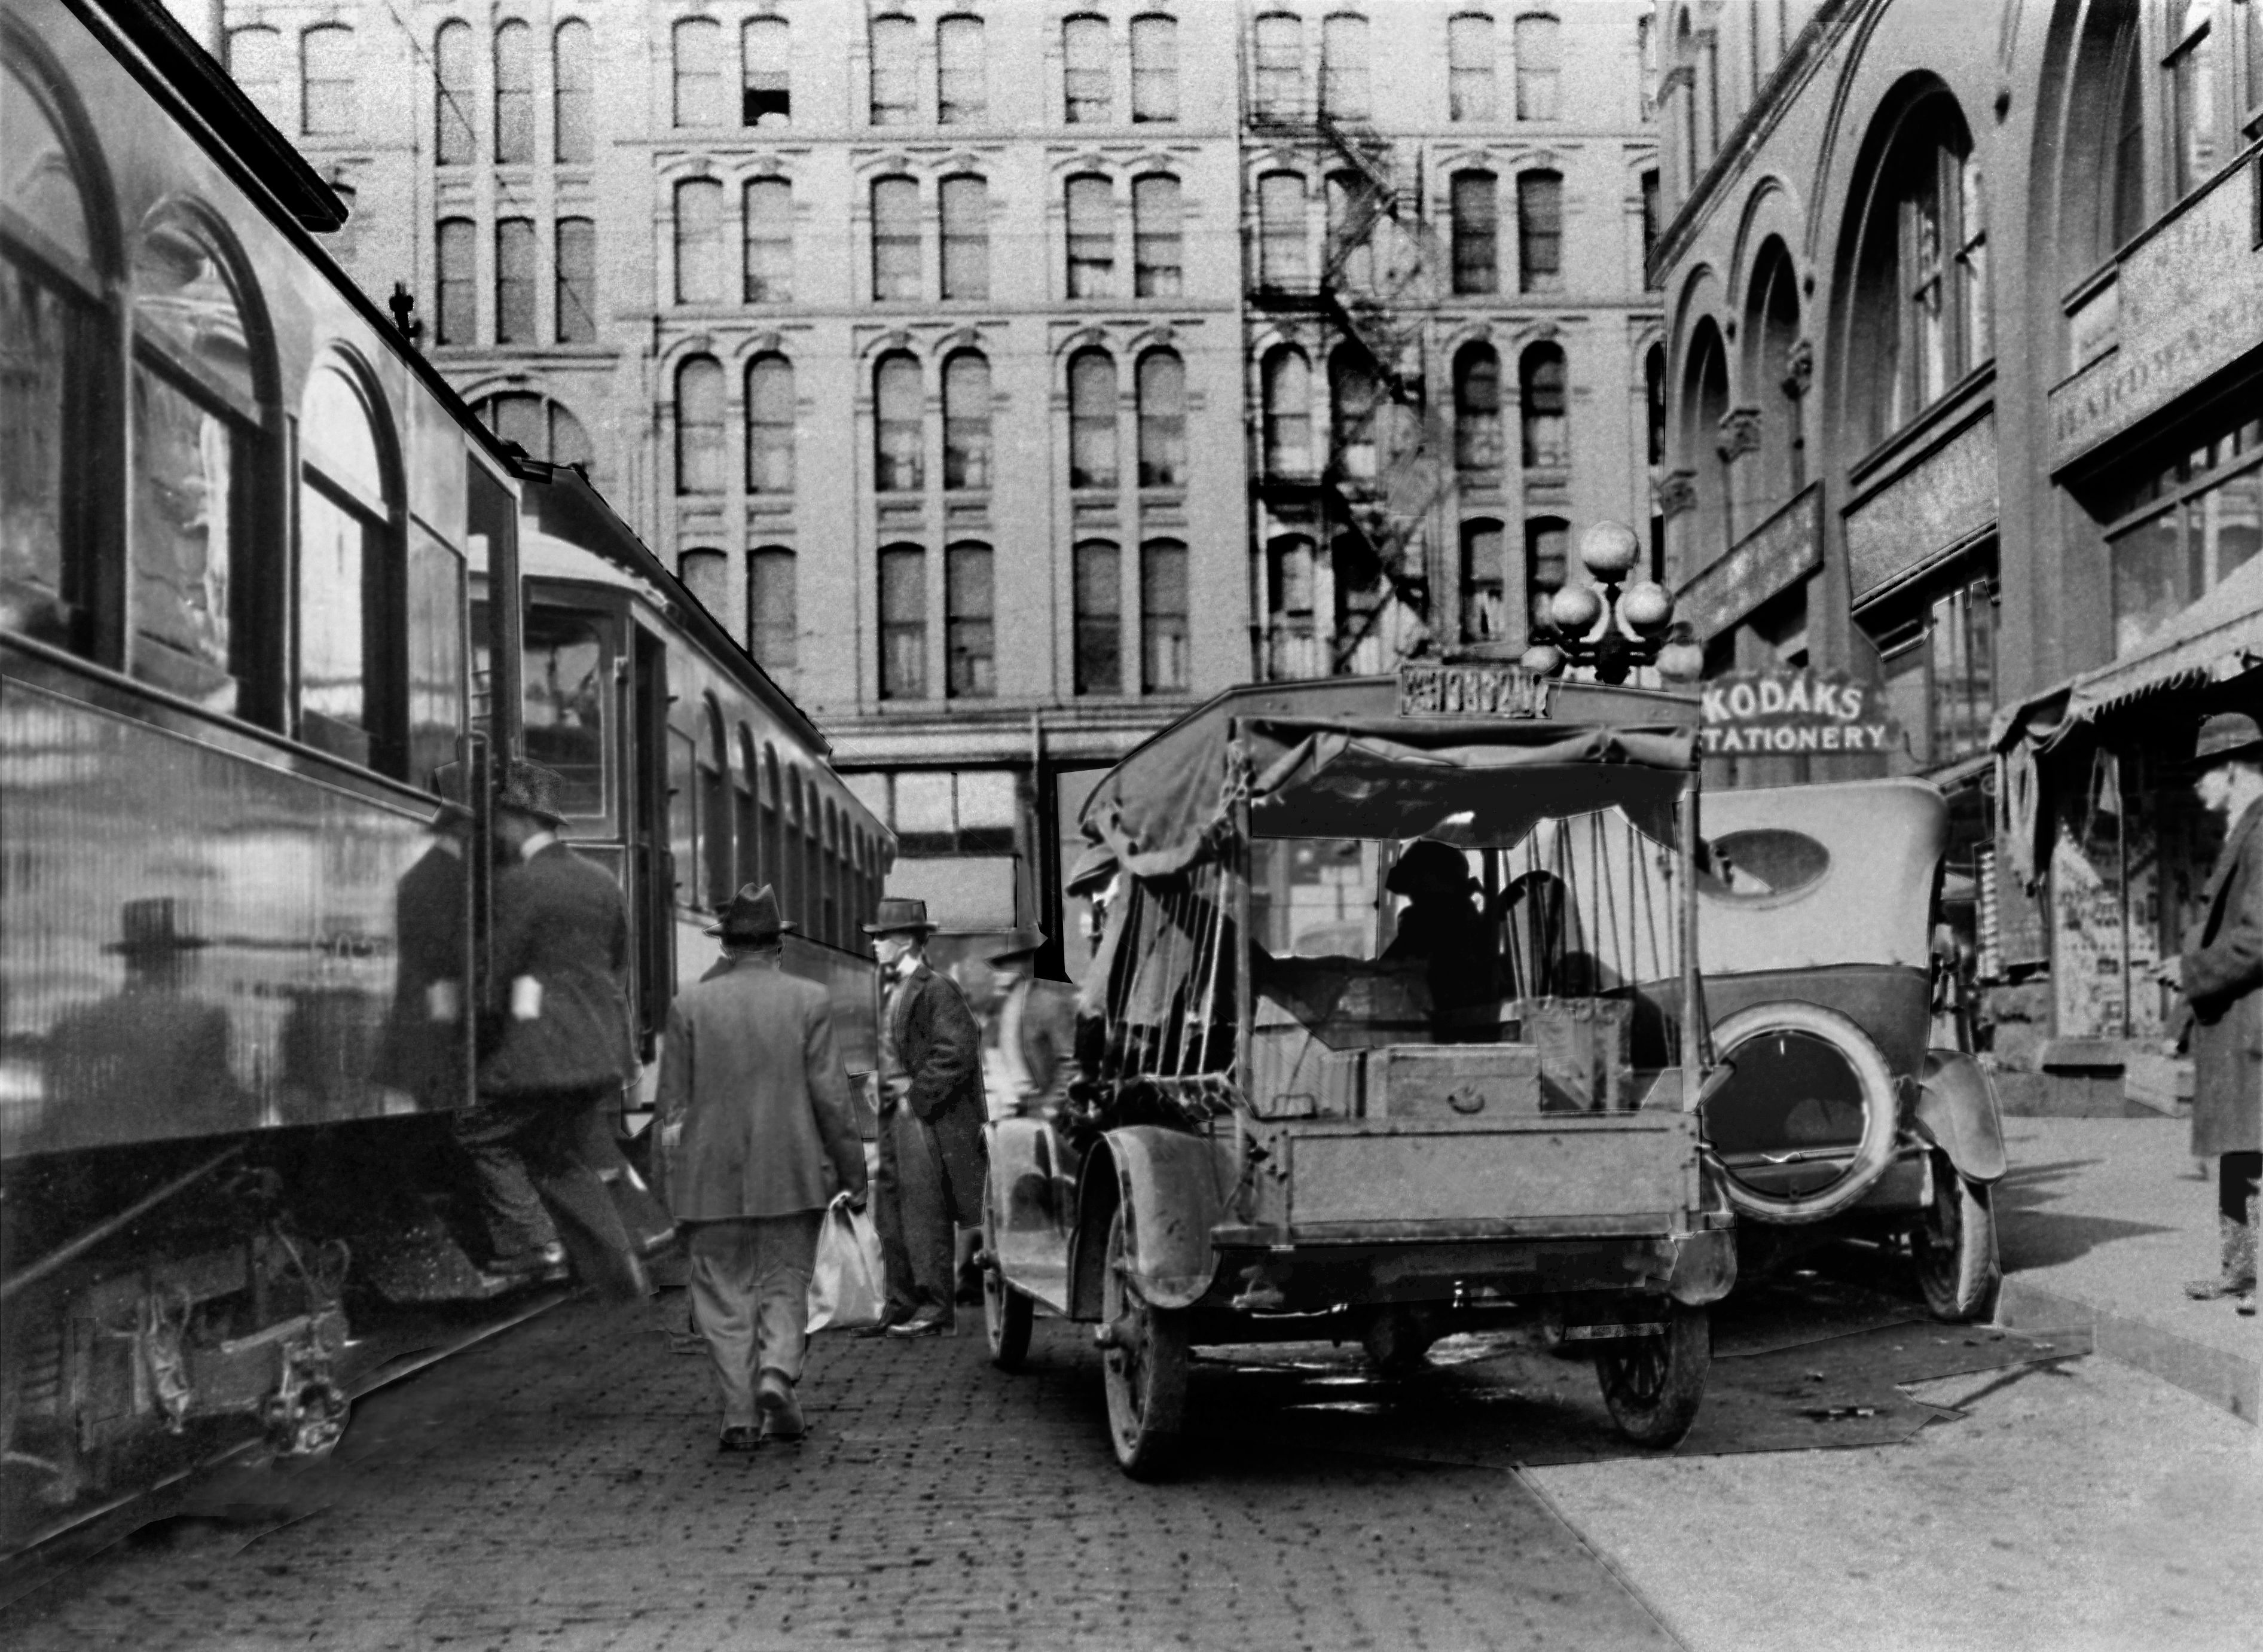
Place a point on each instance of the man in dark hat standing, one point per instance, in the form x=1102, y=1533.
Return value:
x=2221, y=974
x=1027, y=1039
x=1443, y=930
x=755, y=1117
x=931, y=1111
x=558, y=1046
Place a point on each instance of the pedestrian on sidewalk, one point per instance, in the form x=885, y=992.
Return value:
x=556, y=1046
x=2221, y=974
x=754, y=1119
x=929, y=1183
x=1026, y=1040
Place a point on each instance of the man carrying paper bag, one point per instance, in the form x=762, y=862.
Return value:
x=753, y=1114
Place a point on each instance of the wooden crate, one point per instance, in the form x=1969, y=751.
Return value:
x=1449, y=1082
x=1586, y=1051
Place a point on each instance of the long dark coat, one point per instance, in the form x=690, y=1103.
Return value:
x=751, y=1071
x=421, y=1055
x=2222, y=973
x=939, y=1046
x=561, y=920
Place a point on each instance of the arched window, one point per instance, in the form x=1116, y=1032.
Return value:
x=1541, y=388
x=1771, y=330
x=773, y=610
x=1091, y=419
x=349, y=674
x=699, y=240
x=766, y=68
x=1283, y=264
x=961, y=82
x=455, y=87
x=197, y=453
x=898, y=430
x=55, y=247
x=514, y=92
x=1166, y=667
x=769, y=268
x=970, y=611
x=1469, y=94
x=903, y=622
x=1162, y=389
x=895, y=71
x=571, y=97
x=895, y=239
x=1098, y=601
x=700, y=443
x=1476, y=413
x=1087, y=85
x=1483, y=620
x=746, y=821
x=328, y=107
x=1547, y=548
x=1539, y=66
x=1287, y=397
x=1154, y=69
x=1291, y=646
x=770, y=424
x=1343, y=67
x=965, y=203
x=1091, y=238
x=1704, y=403
x=1540, y=232
x=575, y=286
x=698, y=45
x=798, y=898
x=966, y=421
x=255, y=62
x=1158, y=242
x=1476, y=217
x=542, y=427
x=706, y=575
x=1280, y=65
x=1353, y=400
x=715, y=806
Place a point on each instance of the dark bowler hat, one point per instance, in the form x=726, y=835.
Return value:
x=2229, y=734
x=532, y=789
x=1019, y=944
x=752, y=918
x=450, y=783
x=898, y=915
x=1428, y=864
x=146, y=929
x=1093, y=869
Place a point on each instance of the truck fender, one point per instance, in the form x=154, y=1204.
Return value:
x=1704, y=1266
x=1017, y=1218
x=1173, y=1187
x=1956, y=1111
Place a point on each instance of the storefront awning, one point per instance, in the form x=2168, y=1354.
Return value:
x=2216, y=638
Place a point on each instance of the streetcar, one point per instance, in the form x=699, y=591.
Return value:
x=248, y=544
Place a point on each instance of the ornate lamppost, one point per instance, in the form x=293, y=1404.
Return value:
x=1610, y=631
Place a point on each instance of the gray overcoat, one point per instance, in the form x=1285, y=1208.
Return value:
x=2222, y=973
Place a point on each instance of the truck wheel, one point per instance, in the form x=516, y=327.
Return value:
x=1653, y=1384
x=1006, y=1313
x=1398, y=1342
x=1953, y=1248
x=1143, y=1366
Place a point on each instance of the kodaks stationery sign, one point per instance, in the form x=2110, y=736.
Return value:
x=1770, y=713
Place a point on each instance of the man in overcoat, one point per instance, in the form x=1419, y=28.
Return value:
x=2221, y=973
x=755, y=1117
x=557, y=1043
x=930, y=1182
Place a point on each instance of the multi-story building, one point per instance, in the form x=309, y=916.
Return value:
x=936, y=344
x=1966, y=324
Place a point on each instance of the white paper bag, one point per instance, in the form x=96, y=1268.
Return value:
x=847, y=1288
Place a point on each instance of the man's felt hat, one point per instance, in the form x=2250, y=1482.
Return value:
x=1428, y=864
x=1019, y=944
x=752, y=919
x=147, y=929
x=2229, y=734
x=532, y=789
x=899, y=915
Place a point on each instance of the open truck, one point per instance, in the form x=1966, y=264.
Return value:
x=1395, y=1032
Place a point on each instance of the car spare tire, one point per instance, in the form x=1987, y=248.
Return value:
x=1806, y=1119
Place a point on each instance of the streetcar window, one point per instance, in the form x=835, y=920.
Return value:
x=715, y=806
x=746, y=830
x=435, y=653
x=344, y=645
x=568, y=677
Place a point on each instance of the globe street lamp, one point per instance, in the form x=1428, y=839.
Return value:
x=1609, y=631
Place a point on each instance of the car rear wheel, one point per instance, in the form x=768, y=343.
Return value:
x=1006, y=1313
x=1652, y=1385
x=1143, y=1367
x=1806, y=1121
x=1953, y=1248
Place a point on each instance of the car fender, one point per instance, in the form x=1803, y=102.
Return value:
x=1174, y=1187
x=1704, y=1266
x=1017, y=1218
x=1956, y=1111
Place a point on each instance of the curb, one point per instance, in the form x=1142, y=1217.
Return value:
x=2230, y=1381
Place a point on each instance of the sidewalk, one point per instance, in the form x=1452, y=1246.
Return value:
x=2100, y=1222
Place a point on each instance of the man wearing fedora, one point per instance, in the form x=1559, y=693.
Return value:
x=755, y=1119
x=930, y=1171
x=1026, y=1042
x=557, y=1045
x=2221, y=974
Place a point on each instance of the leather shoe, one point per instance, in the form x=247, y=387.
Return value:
x=887, y=1322
x=928, y=1322
x=781, y=1412
x=739, y=1436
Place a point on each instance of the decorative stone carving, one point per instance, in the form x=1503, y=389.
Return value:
x=1675, y=491
x=1799, y=370
x=1740, y=432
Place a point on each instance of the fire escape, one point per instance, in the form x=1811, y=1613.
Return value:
x=1366, y=601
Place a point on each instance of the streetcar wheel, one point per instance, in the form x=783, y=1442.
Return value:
x=1653, y=1384
x=1953, y=1248
x=1143, y=1367
x=1398, y=1342
x=1006, y=1313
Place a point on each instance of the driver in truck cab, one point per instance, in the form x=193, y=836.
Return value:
x=1442, y=929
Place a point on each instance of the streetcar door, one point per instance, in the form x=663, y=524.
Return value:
x=653, y=886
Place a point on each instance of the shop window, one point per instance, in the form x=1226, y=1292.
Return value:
x=1469, y=94
x=966, y=203
x=514, y=93
x=1546, y=420
x=898, y=428
x=345, y=588
x=1280, y=65
x=715, y=806
x=770, y=424
x=1154, y=69
x=895, y=239
x=1098, y=598
x=746, y=820
x=514, y=281
x=455, y=90
x=1344, y=92
x=577, y=281
x=1540, y=232
x=699, y=59
x=1354, y=398
x=1158, y=243
x=1091, y=420
x=961, y=85
x=1547, y=550
x=1287, y=382
x=1940, y=669
x=903, y=622
x=699, y=240
x=327, y=105
x=969, y=620
x=773, y=610
x=895, y=71
x=1165, y=666
x=1291, y=644
x=767, y=276
x=766, y=73
x=573, y=95
x=1162, y=388
x=256, y=63
x=1282, y=261
x=700, y=443
x=1483, y=620
x=1476, y=221
x=1085, y=92
x=966, y=421
x=1091, y=238
x=1539, y=68
x=2182, y=529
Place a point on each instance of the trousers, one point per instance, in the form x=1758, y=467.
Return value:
x=750, y=1285
x=550, y=1147
x=912, y=1213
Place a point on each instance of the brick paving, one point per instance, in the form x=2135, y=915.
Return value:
x=557, y=1488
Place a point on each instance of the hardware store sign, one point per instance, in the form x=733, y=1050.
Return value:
x=1770, y=713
